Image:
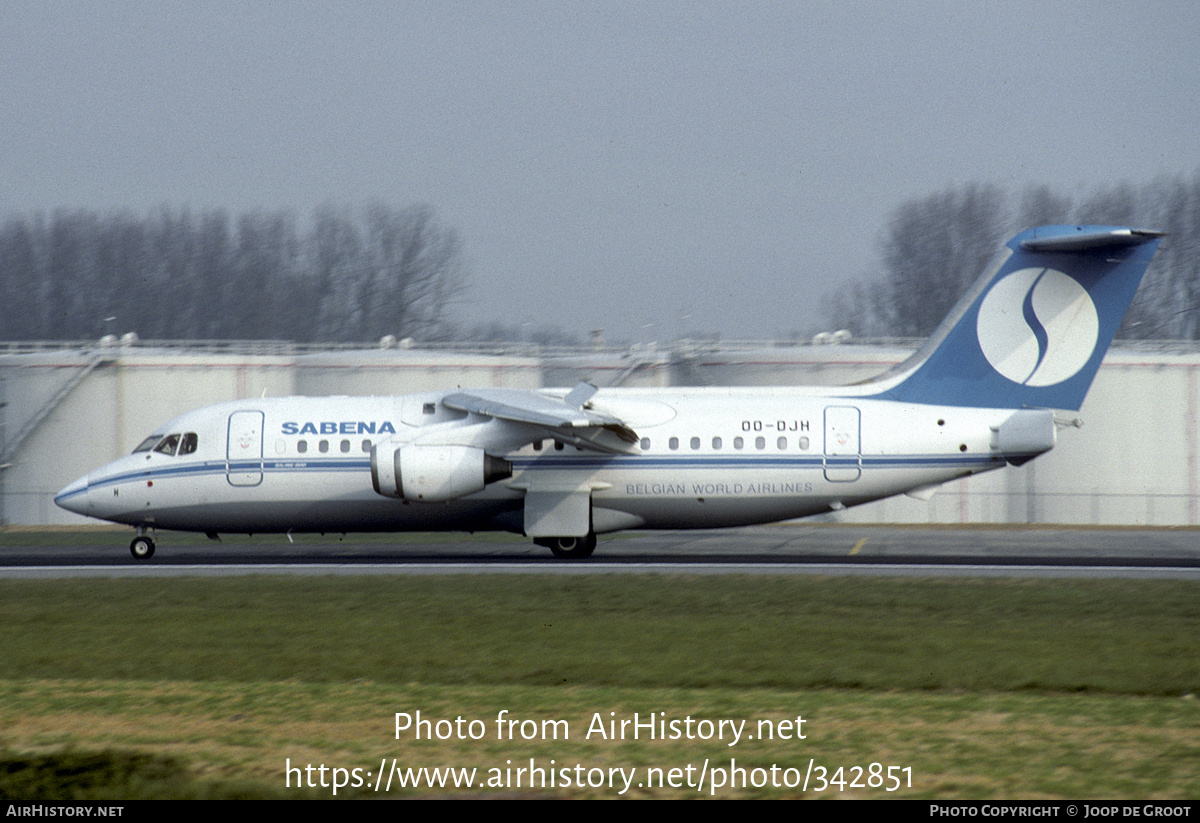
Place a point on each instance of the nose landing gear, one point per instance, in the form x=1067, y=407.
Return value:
x=142, y=546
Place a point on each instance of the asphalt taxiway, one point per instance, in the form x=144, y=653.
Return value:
x=786, y=548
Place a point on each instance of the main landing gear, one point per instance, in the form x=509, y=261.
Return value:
x=569, y=548
x=564, y=548
x=142, y=546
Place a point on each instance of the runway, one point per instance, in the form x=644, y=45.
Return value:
x=780, y=549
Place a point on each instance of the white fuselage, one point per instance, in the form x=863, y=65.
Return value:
x=707, y=458
x=563, y=466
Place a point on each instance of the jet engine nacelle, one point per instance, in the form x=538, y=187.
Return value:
x=433, y=474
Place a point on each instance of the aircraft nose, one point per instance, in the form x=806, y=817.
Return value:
x=74, y=497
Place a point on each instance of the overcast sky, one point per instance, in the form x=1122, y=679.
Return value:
x=649, y=168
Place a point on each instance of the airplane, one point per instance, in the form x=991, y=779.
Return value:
x=563, y=466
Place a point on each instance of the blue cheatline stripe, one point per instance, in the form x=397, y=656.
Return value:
x=637, y=463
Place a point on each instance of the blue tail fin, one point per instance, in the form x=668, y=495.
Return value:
x=1034, y=327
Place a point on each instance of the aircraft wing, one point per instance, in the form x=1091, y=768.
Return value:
x=567, y=419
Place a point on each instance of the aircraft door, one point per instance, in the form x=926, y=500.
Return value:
x=244, y=449
x=843, y=449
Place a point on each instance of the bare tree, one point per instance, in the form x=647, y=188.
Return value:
x=936, y=246
x=934, y=249
x=1040, y=206
x=172, y=275
x=415, y=271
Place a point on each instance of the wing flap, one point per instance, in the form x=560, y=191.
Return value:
x=567, y=419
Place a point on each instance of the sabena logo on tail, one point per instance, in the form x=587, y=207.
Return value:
x=1037, y=327
x=1032, y=330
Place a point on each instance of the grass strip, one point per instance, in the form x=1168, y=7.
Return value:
x=1119, y=637
x=225, y=739
x=984, y=688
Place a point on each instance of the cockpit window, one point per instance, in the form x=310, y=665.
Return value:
x=149, y=443
x=168, y=445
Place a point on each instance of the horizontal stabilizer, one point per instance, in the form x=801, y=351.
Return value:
x=1088, y=240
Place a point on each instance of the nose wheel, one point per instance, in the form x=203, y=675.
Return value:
x=142, y=547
